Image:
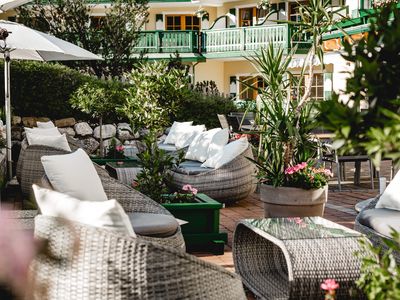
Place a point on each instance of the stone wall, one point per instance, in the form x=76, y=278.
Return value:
x=86, y=133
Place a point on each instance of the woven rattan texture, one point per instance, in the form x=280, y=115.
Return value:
x=94, y=264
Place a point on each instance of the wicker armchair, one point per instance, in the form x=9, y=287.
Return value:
x=232, y=182
x=376, y=238
x=133, y=201
x=88, y=263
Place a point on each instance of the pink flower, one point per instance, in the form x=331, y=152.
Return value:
x=329, y=285
x=119, y=148
x=189, y=188
x=290, y=170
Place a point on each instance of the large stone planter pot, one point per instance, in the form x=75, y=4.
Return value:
x=293, y=202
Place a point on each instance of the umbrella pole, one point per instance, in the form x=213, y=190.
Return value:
x=7, y=61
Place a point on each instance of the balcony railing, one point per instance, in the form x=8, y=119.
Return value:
x=182, y=41
x=220, y=42
x=245, y=38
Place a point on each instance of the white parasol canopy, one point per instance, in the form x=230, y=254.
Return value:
x=25, y=43
x=11, y=4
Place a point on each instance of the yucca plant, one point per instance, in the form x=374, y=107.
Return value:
x=285, y=114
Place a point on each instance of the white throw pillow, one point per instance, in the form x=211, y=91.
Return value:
x=43, y=131
x=177, y=129
x=228, y=153
x=48, y=124
x=199, y=146
x=59, y=142
x=188, y=135
x=218, y=142
x=104, y=214
x=74, y=174
x=390, y=198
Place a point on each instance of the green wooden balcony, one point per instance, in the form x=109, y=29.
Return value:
x=227, y=42
x=172, y=41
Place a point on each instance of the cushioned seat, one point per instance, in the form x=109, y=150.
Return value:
x=380, y=220
x=155, y=225
x=167, y=147
x=191, y=167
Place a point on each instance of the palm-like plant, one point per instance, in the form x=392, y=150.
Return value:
x=286, y=121
x=282, y=142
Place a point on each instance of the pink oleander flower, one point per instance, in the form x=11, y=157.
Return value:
x=329, y=285
x=119, y=148
x=17, y=250
x=289, y=171
x=189, y=188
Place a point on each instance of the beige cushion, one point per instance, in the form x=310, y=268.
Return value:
x=59, y=142
x=43, y=131
x=382, y=220
x=390, y=198
x=199, y=146
x=228, y=153
x=104, y=214
x=48, y=124
x=188, y=135
x=176, y=130
x=74, y=174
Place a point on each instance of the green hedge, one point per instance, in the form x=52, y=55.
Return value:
x=43, y=89
x=203, y=109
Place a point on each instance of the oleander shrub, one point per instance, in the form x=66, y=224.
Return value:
x=203, y=109
x=44, y=89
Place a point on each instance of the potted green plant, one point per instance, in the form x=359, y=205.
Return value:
x=292, y=183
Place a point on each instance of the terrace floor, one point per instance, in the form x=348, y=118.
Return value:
x=339, y=209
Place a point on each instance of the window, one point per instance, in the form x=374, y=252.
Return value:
x=246, y=16
x=245, y=92
x=182, y=22
x=317, y=88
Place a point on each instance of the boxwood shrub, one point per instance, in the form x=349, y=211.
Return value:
x=203, y=109
x=43, y=89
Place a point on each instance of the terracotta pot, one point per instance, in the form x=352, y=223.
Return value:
x=293, y=202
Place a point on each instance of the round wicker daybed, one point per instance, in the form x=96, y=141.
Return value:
x=231, y=182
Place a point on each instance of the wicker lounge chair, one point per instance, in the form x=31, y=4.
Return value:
x=377, y=238
x=232, y=182
x=96, y=264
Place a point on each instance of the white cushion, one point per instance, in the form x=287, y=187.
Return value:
x=219, y=140
x=199, y=146
x=228, y=153
x=177, y=129
x=188, y=135
x=104, y=214
x=59, y=142
x=48, y=124
x=74, y=174
x=43, y=131
x=390, y=198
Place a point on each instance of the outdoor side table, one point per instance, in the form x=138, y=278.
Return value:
x=125, y=172
x=289, y=258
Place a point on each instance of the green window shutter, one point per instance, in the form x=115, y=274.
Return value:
x=328, y=86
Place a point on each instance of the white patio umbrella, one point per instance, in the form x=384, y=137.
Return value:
x=11, y=4
x=20, y=42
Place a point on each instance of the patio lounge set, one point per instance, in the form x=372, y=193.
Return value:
x=274, y=258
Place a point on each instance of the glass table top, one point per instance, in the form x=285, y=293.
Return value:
x=299, y=228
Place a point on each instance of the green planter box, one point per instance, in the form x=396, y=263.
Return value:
x=103, y=161
x=202, y=231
